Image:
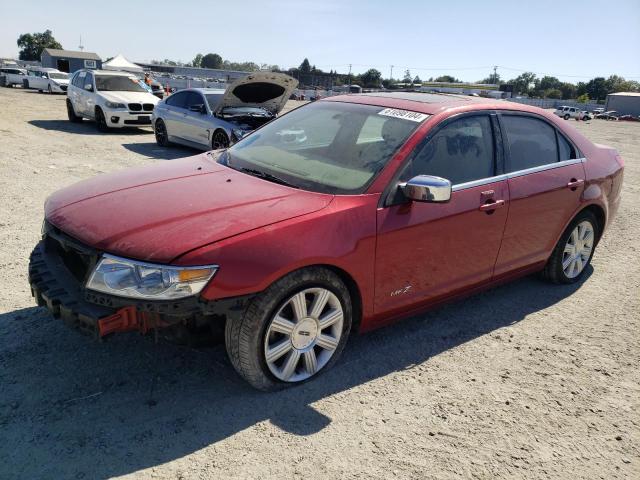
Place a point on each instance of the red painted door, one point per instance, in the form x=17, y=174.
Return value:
x=429, y=250
x=546, y=181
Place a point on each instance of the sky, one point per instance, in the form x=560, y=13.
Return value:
x=574, y=40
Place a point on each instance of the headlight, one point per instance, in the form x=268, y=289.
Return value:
x=239, y=133
x=115, y=105
x=132, y=279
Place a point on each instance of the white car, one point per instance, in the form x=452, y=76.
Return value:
x=113, y=99
x=569, y=112
x=46, y=79
x=12, y=75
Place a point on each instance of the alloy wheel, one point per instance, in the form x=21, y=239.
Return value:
x=304, y=334
x=161, y=133
x=577, y=250
x=219, y=140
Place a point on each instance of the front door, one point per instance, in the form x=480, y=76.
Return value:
x=427, y=251
x=196, y=125
x=546, y=181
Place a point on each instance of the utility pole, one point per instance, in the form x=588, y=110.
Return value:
x=349, y=74
x=495, y=74
x=81, y=47
x=391, y=73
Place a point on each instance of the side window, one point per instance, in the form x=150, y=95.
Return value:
x=178, y=100
x=532, y=142
x=565, y=149
x=461, y=152
x=194, y=98
x=79, y=80
x=88, y=80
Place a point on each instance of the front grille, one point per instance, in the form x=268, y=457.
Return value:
x=78, y=259
x=63, y=88
x=135, y=107
x=147, y=107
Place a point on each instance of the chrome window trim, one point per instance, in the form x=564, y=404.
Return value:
x=518, y=173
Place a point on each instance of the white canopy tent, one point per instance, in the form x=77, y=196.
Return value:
x=120, y=63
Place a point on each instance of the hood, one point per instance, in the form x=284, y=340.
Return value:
x=160, y=212
x=130, y=97
x=266, y=90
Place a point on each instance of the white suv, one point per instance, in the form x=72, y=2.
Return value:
x=569, y=112
x=112, y=99
x=12, y=75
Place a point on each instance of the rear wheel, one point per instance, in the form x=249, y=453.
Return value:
x=162, y=136
x=566, y=117
x=219, y=140
x=101, y=121
x=72, y=114
x=574, y=250
x=292, y=331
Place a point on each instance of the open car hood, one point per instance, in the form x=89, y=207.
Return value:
x=266, y=90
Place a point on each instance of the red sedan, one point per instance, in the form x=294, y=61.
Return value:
x=343, y=215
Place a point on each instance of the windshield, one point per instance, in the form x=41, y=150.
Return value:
x=58, y=76
x=114, y=83
x=213, y=99
x=328, y=147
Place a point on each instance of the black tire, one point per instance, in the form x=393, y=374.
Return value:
x=566, y=117
x=161, y=133
x=101, y=121
x=49, y=90
x=245, y=334
x=553, y=270
x=219, y=140
x=72, y=114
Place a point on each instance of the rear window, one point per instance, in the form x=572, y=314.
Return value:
x=532, y=142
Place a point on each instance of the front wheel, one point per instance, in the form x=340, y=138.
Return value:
x=49, y=90
x=292, y=331
x=566, y=117
x=101, y=121
x=219, y=140
x=574, y=250
x=162, y=136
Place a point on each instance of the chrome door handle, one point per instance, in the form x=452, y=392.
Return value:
x=488, y=207
x=574, y=184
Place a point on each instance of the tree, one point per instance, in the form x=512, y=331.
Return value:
x=549, y=83
x=447, y=79
x=211, y=60
x=417, y=80
x=305, y=66
x=493, y=79
x=32, y=44
x=523, y=83
x=596, y=88
x=552, y=93
x=584, y=98
x=372, y=78
x=568, y=90
x=197, y=61
x=407, y=77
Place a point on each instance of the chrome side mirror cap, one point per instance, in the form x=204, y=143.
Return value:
x=427, y=188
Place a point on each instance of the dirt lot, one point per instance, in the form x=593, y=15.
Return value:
x=525, y=381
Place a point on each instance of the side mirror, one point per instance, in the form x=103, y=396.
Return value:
x=88, y=87
x=427, y=188
x=200, y=108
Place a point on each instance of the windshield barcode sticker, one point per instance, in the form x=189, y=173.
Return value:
x=404, y=114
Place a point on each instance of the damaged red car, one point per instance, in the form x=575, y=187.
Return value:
x=341, y=216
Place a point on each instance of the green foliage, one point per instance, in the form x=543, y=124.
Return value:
x=197, y=61
x=32, y=44
x=568, y=90
x=584, y=98
x=371, y=78
x=523, y=83
x=211, y=60
x=492, y=79
x=446, y=78
x=407, y=77
x=417, y=80
x=552, y=93
x=305, y=66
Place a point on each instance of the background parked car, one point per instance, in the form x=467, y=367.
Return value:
x=12, y=76
x=568, y=112
x=209, y=118
x=609, y=115
x=586, y=115
x=113, y=99
x=46, y=79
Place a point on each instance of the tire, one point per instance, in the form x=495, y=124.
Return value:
x=101, y=121
x=160, y=131
x=566, y=117
x=219, y=140
x=49, y=90
x=309, y=348
x=72, y=114
x=559, y=267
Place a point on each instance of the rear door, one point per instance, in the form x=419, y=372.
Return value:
x=75, y=92
x=196, y=124
x=546, y=180
x=427, y=251
x=174, y=113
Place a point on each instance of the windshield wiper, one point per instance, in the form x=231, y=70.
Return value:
x=268, y=176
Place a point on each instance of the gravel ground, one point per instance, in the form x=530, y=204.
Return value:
x=524, y=381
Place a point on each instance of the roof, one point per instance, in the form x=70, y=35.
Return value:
x=626, y=94
x=207, y=90
x=54, y=52
x=120, y=63
x=429, y=103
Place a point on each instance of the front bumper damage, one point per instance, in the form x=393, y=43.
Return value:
x=58, y=268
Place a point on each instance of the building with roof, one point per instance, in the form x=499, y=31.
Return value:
x=69, y=60
x=625, y=103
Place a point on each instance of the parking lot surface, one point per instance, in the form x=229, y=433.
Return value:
x=528, y=380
